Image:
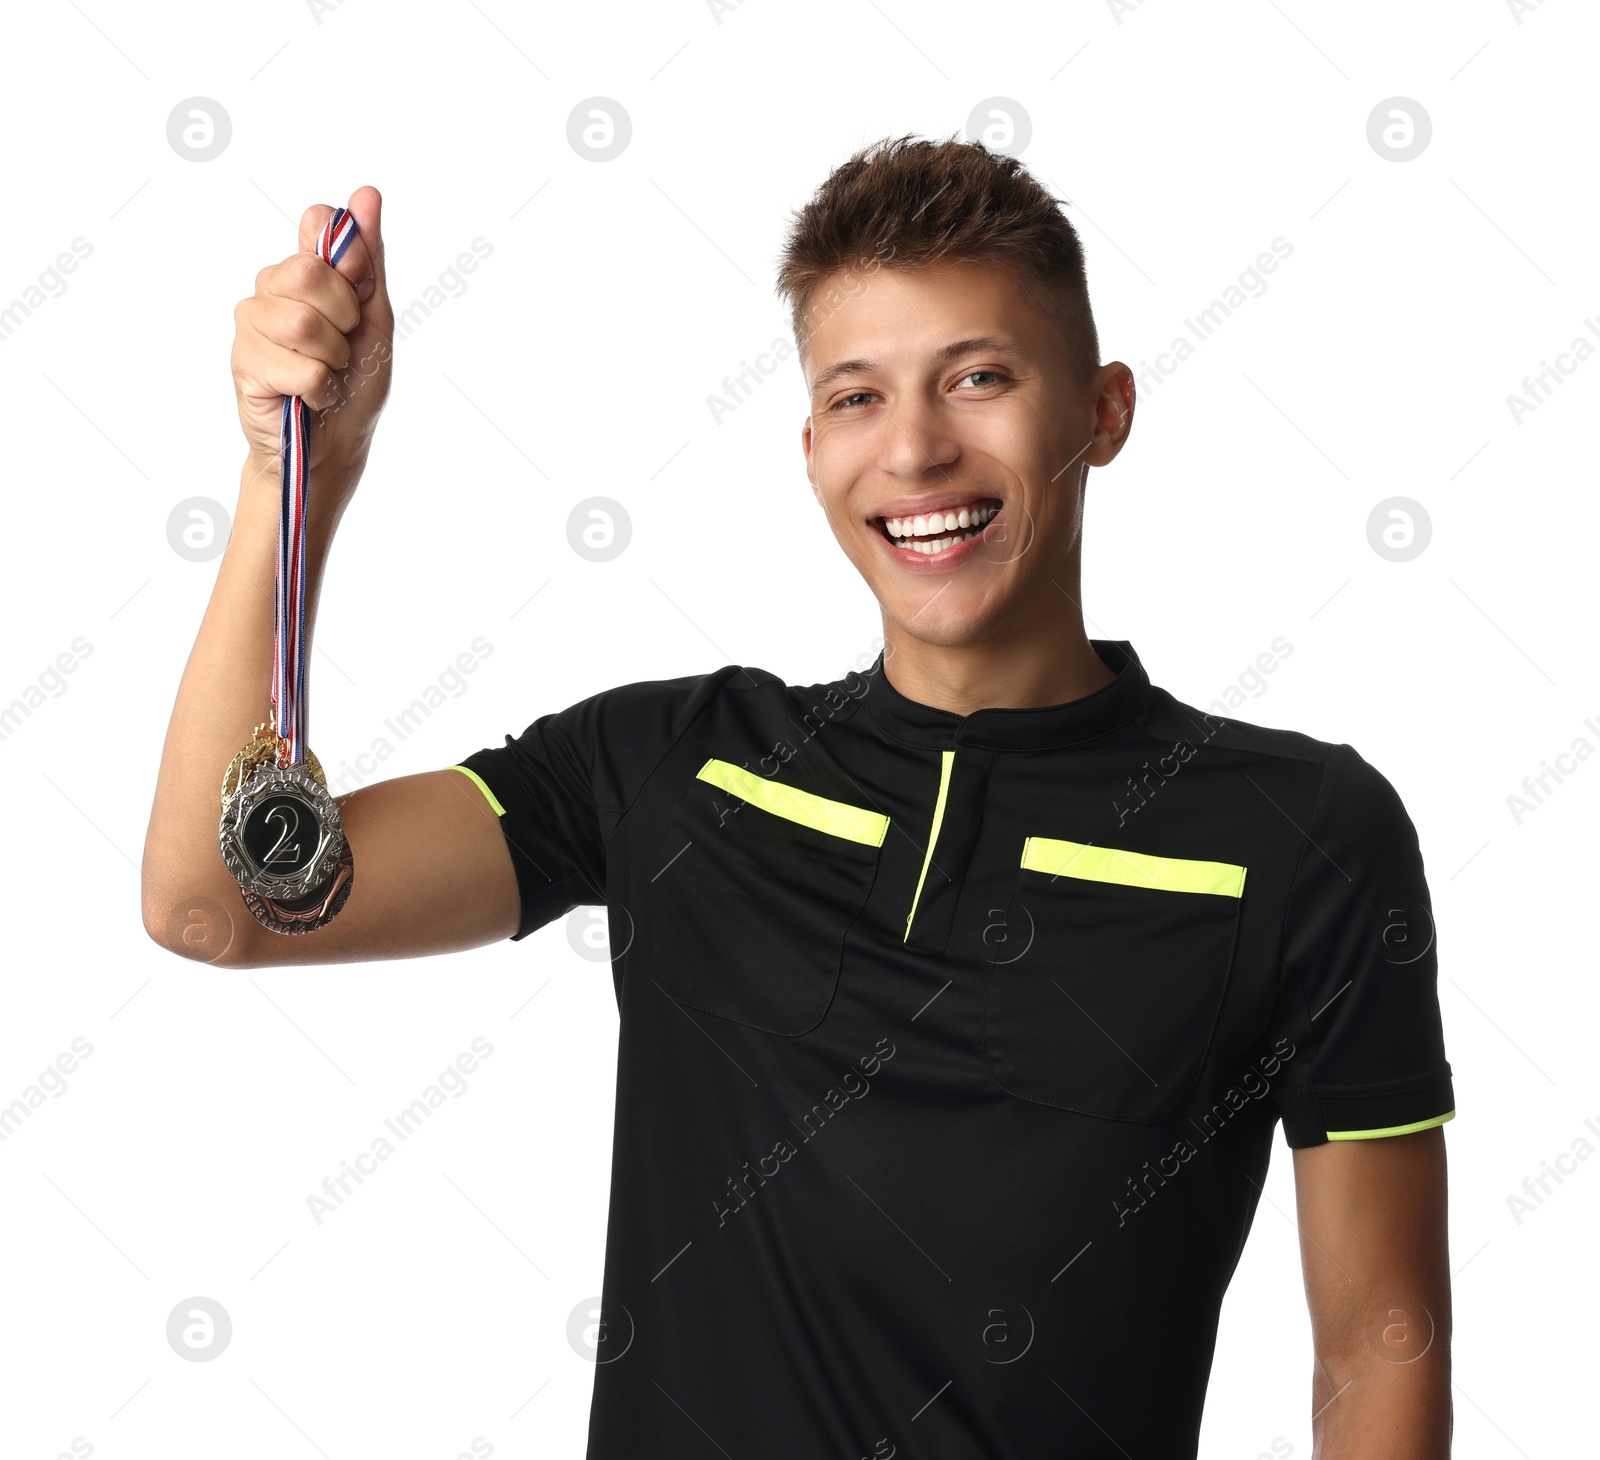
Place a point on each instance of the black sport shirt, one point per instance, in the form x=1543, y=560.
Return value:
x=951, y=1047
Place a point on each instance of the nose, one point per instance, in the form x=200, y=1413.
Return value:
x=917, y=443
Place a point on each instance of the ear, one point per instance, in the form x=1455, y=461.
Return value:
x=811, y=469
x=1112, y=391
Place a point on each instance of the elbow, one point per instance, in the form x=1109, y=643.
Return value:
x=199, y=929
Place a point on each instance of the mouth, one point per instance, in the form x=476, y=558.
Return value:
x=931, y=532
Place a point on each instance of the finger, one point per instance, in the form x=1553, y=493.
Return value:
x=306, y=278
x=264, y=368
x=299, y=326
x=355, y=263
x=312, y=222
x=367, y=205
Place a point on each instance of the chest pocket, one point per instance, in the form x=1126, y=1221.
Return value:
x=748, y=918
x=1111, y=1005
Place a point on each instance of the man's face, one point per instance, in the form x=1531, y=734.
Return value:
x=940, y=390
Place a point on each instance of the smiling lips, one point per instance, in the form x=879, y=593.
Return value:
x=934, y=532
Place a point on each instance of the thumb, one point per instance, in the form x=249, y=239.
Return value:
x=366, y=203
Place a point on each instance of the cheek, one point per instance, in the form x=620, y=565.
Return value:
x=831, y=471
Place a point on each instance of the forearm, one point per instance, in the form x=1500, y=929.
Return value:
x=225, y=692
x=1373, y=1408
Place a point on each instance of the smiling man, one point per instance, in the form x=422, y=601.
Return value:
x=960, y=996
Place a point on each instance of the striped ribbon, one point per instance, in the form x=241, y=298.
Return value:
x=288, y=629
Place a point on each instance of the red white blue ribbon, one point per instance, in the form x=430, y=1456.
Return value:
x=288, y=629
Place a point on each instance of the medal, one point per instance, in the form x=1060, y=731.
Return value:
x=264, y=748
x=281, y=837
x=280, y=834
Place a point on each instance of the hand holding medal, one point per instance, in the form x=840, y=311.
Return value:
x=280, y=832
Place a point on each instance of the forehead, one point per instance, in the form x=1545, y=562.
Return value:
x=897, y=317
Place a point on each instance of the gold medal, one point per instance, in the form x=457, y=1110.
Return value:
x=264, y=748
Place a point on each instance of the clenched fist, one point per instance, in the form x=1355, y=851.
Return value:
x=322, y=332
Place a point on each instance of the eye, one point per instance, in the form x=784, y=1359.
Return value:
x=995, y=373
x=843, y=400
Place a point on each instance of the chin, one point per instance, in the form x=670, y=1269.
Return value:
x=946, y=625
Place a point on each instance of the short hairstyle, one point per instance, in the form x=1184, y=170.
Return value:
x=907, y=202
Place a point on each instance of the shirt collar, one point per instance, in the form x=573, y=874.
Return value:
x=1038, y=727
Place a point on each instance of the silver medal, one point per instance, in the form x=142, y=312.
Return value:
x=280, y=833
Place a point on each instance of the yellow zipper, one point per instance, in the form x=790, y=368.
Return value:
x=947, y=759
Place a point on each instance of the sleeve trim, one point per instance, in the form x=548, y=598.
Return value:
x=1390, y=1130
x=482, y=785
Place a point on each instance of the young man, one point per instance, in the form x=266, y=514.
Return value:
x=960, y=997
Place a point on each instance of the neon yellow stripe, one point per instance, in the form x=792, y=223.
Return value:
x=853, y=823
x=499, y=810
x=1390, y=1130
x=1132, y=869
x=946, y=760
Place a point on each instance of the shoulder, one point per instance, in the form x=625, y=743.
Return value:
x=1166, y=715
x=683, y=694
x=1328, y=789
x=651, y=715
x=1345, y=772
x=731, y=684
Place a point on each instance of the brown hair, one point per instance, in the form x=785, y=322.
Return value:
x=907, y=202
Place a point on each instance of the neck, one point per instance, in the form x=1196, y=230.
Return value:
x=1034, y=659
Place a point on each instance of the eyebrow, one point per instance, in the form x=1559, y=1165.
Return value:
x=991, y=344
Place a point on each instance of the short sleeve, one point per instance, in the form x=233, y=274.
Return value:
x=562, y=787
x=1359, y=993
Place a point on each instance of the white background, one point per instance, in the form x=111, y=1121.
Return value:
x=430, y=1310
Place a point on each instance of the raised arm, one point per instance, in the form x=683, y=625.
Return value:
x=1375, y=1255
x=432, y=870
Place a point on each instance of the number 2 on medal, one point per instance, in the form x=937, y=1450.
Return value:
x=290, y=820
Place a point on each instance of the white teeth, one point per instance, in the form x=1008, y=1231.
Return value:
x=930, y=546
x=938, y=524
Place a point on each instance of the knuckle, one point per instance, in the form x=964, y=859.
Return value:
x=316, y=382
x=303, y=270
x=300, y=323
